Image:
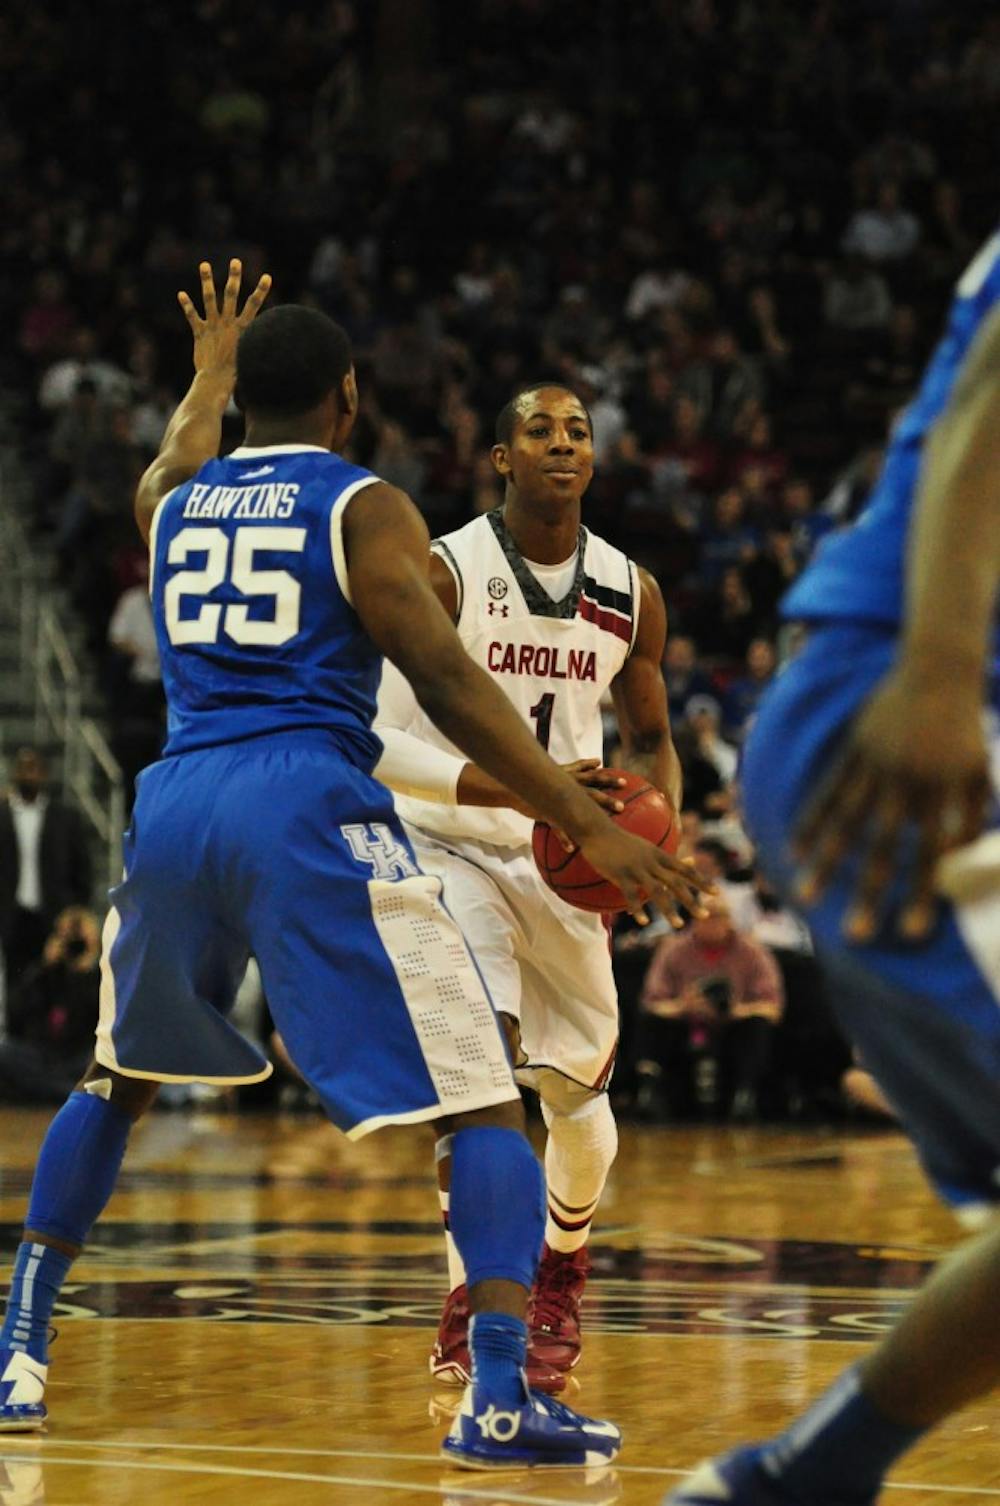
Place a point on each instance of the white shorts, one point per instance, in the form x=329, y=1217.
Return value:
x=544, y=962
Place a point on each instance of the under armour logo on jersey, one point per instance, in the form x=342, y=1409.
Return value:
x=501, y=609
x=381, y=850
x=500, y=1426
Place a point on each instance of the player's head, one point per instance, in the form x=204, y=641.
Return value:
x=544, y=446
x=295, y=375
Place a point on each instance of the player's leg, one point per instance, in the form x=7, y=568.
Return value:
x=386, y=1016
x=166, y=972
x=927, y=1023
x=580, y=1150
x=497, y=1220
x=75, y=1175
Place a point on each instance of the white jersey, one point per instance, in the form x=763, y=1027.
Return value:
x=553, y=660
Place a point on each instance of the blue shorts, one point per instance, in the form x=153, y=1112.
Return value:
x=925, y=1017
x=279, y=847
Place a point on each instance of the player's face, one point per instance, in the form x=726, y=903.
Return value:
x=551, y=453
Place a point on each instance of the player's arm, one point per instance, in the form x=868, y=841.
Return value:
x=195, y=430
x=916, y=760
x=640, y=698
x=386, y=545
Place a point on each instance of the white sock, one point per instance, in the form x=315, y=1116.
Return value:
x=442, y=1155
x=580, y=1152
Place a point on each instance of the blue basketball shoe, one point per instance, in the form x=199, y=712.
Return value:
x=736, y=1479
x=541, y=1431
x=22, y=1386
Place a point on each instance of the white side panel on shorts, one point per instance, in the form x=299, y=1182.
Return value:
x=452, y=1016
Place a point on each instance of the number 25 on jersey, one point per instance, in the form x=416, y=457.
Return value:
x=234, y=619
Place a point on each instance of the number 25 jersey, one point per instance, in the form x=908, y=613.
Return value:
x=553, y=659
x=251, y=603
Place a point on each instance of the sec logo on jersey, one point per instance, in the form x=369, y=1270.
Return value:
x=497, y=587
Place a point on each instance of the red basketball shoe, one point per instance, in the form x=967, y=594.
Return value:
x=554, y=1314
x=450, y=1361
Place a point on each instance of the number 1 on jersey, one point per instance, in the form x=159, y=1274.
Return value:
x=542, y=717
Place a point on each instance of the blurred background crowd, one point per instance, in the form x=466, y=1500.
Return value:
x=730, y=225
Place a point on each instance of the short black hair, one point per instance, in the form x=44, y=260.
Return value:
x=504, y=430
x=288, y=360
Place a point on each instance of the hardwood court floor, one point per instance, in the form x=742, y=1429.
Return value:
x=252, y=1319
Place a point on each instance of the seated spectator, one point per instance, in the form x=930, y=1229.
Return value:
x=685, y=459
x=703, y=715
x=137, y=688
x=61, y=381
x=52, y=1013
x=682, y=674
x=728, y=538
x=728, y=622
x=884, y=233
x=651, y=410
x=709, y=994
x=770, y=574
x=743, y=694
x=760, y=454
x=856, y=298
x=723, y=384
x=798, y=513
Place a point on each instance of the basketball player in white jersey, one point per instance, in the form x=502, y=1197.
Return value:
x=557, y=617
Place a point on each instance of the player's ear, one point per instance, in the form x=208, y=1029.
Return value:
x=349, y=394
x=500, y=459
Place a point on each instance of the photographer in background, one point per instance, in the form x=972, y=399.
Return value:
x=710, y=1006
x=52, y=1013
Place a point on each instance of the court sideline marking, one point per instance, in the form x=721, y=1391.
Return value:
x=403, y=1458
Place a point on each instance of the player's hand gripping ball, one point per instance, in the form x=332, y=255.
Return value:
x=647, y=813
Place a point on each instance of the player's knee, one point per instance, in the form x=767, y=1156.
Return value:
x=132, y=1094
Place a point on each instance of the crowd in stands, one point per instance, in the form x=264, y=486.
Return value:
x=730, y=225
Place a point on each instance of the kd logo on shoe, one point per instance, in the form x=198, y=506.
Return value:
x=501, y=1427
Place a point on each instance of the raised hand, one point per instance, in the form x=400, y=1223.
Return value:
x=216, y=335
x=912, y=785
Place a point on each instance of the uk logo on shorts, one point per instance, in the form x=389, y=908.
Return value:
x=384, y=854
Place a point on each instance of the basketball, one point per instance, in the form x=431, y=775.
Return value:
x=648, y=813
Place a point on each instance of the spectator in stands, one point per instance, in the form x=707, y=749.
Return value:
x=884, y=233
x=704, y=716
x=797, y=512
x=682, y=675
x=52, y=1013
x=728, y=538
x=856, y=298
x=709, y=994
x=727, y=622
x=44, y=862
x=742, y=696
x=136, y=685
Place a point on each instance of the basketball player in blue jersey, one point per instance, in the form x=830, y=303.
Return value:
x=560, y=619
x=278, y=578
x=898, y=862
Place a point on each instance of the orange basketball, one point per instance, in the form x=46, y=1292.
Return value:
x=648, y=813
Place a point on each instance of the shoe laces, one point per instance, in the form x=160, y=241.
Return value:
x=557, y=1293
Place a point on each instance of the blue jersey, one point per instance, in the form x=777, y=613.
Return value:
x=858, y=576
x=251, y=603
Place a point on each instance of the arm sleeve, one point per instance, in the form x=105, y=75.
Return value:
x=408, y=765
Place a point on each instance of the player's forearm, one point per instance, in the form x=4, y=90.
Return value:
x=463, y=702
x=653, y=756
x=953, y=567
x=194, y=432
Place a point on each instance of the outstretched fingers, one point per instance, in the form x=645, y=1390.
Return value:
x=231, y=292
x=253, y=304
x=209, y=302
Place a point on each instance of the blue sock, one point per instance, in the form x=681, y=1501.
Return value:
x=840, y=1450
x=497, y=1205
x=75, y=1176
x=498, y=1344
x=39, y=1272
